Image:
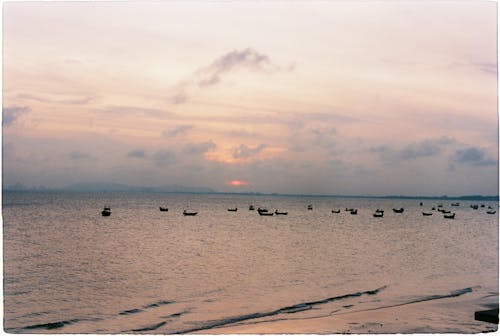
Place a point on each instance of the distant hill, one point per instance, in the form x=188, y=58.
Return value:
x=95, y=186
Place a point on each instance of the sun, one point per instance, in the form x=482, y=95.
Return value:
x=237, y=183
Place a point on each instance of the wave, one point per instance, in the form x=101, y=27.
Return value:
x=58, y=324
x=158, y=304
x=130, y=311
x=150, y=328
x=284, y=310
x=149, y=306
x=454, y=293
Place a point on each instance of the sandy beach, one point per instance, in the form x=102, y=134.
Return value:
x=448, y=315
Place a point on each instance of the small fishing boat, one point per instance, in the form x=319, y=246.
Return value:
x=259, y=210
x=336, y=211
x=474, y=206
x=449, y=216
x=379, y=211
x=445, y=211
x=106, y=211
x=189, y=213
x=251, y=207
x=277, y=212
x=400, y=210
x=265, y=213
x=354, y=211
x=427, y=213
x=455, y=204
x=482, y=205
x=491, y=212
x=309, y=207
x=378, y=214
x=163, y=209
x=433, y=208
x=349, y=209
x=232, y=209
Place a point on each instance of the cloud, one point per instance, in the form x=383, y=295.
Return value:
x=179, y=98
x=243, y=151
x=70, y=100
x=324, y=137
x=413, y=151
x=164, y=157
x=248, y=59
x=200, y=148
x=136, y=111
x=489, y=68
x=179, y=130
x=80, y=156
x=473, y=156
x=137, y=153
x=11, y=114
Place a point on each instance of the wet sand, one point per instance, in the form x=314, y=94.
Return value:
x=450, y=315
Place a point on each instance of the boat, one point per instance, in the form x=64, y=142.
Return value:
x=277, y=212
x=427, y=213
x=445, y=211
x=449, y=216
x=349, y=209
x=232, y=209
x=379, y=211
x=106, y=211
x=354, y=211
x=163, y=209
x=189, y=213
x=262, y=210
x=455, y=204
x=251, y=207
x=336, y=211
x=266, y=213
x=491, y=212
x=474, y=206
x=482, y=205
x=309, y=207
x=378, y=214
x=400, y=210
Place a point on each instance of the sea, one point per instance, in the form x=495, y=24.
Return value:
x=67, y=269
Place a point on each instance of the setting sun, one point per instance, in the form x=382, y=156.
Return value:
x=237, y=183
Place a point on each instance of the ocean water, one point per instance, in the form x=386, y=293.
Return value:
x=67, y=269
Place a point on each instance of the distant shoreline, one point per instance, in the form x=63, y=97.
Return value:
x=152, y=191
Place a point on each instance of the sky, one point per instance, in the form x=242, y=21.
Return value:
x=316, y=97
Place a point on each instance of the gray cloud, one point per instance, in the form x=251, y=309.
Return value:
x=179, y=98
x=210, y=75
x=137, y=153
x=179, y=130
x=324, y=137
x=473, y=156
x=70, y=100
x=248, y=58
x=136, y=111
x=243, y=151
x=80, y=156
x=199, y=148
x=164, y=157
x=489, y=68
x=413, y=151
x=11, y=114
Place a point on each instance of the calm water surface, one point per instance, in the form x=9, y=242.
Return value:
x=67, y=269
